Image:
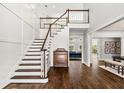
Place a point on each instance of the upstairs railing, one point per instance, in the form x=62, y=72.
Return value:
x=69, y=16
x=46, y=21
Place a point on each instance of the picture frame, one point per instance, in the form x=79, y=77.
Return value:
x=107, y=50
x=113, y=50
x=113, y=44
x=112, y=47
x=107, y=44
x=118, y=50
x=118, y=44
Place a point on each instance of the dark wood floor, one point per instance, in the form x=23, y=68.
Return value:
x=77, y=76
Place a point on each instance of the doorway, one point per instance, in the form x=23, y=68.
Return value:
x=75, y=44
x=94, y=51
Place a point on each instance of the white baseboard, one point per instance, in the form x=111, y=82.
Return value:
x=29, y=80
x=4, y=83
x=86, y=63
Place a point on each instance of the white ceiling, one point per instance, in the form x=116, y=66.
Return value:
x=117, y=26
x=77, y=31
x=53, y=9
x=114, y=30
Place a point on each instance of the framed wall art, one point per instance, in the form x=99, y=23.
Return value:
x=112, y=47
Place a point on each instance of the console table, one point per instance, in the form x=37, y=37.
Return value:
x=115, y=58
x=60, y=58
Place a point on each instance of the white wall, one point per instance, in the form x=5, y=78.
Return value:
x=60, y=41
x=87, y=48
x=100, y=34
x=62, y=7
x=102, y=13
x=101, y=45
x=18, y=27
x=43, y=33
x=111, y=34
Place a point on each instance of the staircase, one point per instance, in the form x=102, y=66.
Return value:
x=35, y=64
x=29, y=71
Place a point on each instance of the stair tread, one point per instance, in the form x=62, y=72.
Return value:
x=26, y=77
x=39, y=39
x=32, y=59
x=34, y=51
x=28, y=70
x=35, y=47
x=29, y=64
x=38, y=42
x=32, y=54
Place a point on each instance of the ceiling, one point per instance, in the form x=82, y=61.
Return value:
x=117, y=26
x=116, y=29
x=77, y=31
x=54, y=9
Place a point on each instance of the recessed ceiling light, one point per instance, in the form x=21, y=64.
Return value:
x=32, y=6
x=28, y=6
x=54, y=6
x=45, y=5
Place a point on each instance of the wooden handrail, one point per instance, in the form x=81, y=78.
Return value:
x=59, y=18
x=49, y=31
x=77, y=10
x=54, y=24
x=51, y=17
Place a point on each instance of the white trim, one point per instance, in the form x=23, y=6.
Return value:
x=78, y=25
x=29, y=80
x=29, y=67
x=118, y=18
x=86, y=63
x=4, y=83
x=30, y=61
x=27, y=74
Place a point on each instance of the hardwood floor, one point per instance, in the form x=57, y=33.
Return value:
x=77, y=76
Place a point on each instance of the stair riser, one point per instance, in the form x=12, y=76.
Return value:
x=24, y=62
x=36, y=46
x=37, y=43
x=38, y=40
x=27, y=73
x=35, y=49
x=29, y=80
x=29, y=67
x=32, y=57
x=33, y=53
